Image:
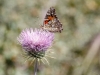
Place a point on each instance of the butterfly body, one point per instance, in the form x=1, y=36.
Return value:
x=51, y=22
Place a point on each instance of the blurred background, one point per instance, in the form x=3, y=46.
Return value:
x=76, y=49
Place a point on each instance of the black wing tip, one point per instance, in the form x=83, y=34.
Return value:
x=52, y=8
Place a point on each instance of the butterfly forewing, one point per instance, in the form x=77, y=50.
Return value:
x=51, y=22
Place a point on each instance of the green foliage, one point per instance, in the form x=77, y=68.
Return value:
x=81, y=22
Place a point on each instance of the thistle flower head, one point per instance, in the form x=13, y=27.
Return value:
x=35, y=42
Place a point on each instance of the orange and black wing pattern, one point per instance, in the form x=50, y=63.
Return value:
x=51, y=21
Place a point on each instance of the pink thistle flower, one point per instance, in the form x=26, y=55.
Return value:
x=35, y=42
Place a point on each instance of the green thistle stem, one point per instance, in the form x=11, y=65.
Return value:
x=35, y=66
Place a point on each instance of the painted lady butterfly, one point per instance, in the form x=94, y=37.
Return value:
x=51, y=22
